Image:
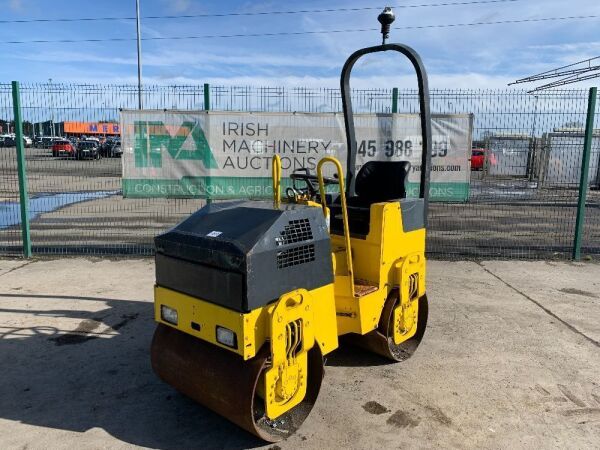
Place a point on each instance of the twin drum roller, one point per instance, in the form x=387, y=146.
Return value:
x=251, y=295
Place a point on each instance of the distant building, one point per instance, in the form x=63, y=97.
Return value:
x=76, y=129
x=91, y=128
x=45, y=129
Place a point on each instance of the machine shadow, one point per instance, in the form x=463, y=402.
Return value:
x=98, y=375
x=350, y=355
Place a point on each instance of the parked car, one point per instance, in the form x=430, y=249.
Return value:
x=27, y=141
x=106, y=146
x=479, y=156
x=116, y=150
x=11, y=141
x=88, y=150
x=48, y=141
x=111, y=148
x=6, y=140
x=63, y=148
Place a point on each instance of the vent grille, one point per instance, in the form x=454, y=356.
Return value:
x=295, y=256
x=295, y=231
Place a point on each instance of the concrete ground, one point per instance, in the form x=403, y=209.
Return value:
x=511, y=359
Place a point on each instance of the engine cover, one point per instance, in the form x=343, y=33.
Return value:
x=245, y=254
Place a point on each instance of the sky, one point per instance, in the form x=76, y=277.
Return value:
x=486, y=56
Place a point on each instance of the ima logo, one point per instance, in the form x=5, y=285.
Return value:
x=186, y=142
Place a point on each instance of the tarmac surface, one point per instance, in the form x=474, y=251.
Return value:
x=510, y=359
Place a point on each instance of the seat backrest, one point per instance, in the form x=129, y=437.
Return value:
x=380, y=181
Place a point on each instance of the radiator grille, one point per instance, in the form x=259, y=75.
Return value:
x=295, y=231
x=295, y=256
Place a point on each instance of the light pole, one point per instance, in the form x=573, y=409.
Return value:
x=139, y=52
x=51, y=106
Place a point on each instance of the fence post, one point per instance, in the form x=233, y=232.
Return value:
x=585, y=168
x=206, y=97
x=207, y=108
x=23, y=195
x=395, y=100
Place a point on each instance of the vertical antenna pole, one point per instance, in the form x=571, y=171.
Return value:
x=139, y=52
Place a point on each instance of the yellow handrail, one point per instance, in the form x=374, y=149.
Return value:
x=340, y=174
x=276, y=174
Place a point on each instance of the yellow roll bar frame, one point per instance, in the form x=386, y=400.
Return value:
x=336, y=163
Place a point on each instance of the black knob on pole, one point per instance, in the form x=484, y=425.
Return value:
x=386, y=18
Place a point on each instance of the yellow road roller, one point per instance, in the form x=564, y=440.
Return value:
x=250, y=295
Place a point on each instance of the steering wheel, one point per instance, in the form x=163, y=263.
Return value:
x=311, y=180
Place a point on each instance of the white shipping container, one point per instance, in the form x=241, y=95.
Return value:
x=509, y=156
x=565, y=152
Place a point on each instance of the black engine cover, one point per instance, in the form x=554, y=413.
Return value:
x=245, y=254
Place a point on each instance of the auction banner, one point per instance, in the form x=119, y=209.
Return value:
x=222, y=154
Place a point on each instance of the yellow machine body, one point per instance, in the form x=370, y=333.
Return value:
x=388, y=259
x=367, y=270
x=253, y=329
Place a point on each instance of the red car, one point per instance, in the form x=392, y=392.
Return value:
x=478, y=156
x=63, y=148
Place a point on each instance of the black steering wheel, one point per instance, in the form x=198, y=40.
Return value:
x=311, y=181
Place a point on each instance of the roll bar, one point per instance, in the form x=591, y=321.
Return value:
x=415, y=59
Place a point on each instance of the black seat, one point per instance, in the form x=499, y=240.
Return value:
x=381, y=181
x=377, y=181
